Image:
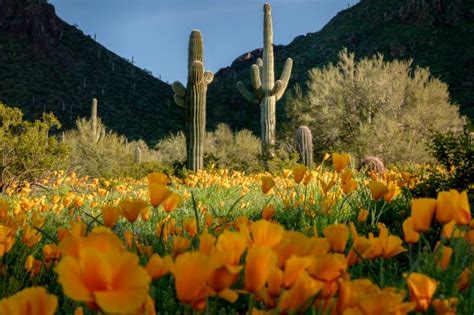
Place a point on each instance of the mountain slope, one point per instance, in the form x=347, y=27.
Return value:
x=438, y=34
x=49, y=65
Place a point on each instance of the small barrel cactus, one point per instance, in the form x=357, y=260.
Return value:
x=193, y=99
x=372, y=163
x=304, y=142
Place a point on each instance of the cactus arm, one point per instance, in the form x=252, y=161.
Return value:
x=179, y=100
x=178, y=89
x=277, y=88
x=249, y=96
x=256, y=81
x=285, y=77
x=208, y=77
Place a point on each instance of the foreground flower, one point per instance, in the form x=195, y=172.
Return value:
x=31, y=301
x=453, y=205
x=96, y=270
x=377, y=190
x=340, y=161
x=191, y=272
x=298, y=173
x=158, y=193
x=421, y=289
x=110, y=215
x=411, y=236
x=422, y=210
x=7, y=239
x=337, y=235
x=131, y=208
x=267, y=184
x=258, y=266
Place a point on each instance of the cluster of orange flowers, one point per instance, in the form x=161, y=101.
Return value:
x=111, y=270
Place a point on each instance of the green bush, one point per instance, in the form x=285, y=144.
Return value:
x=27, y=152
x=454, y=153
x=223, y=149
x=373, y=107
x=108, y=154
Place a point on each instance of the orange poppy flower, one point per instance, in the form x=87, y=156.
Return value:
x=7, y=239
x=464, y=279
x=298, y=173
x=328, y=267
x=453, y=205
x=29, y=301
x=265, y=233
x=340, y=161
x=294, y=267
x=304, y=288
x=391, y=245
x=421, y=289
x=410, y=235
x=111, y=281
x=157, y=178
x=448, y=229
x=110, y=215
x=131, y=208
x=445, y=306
x=191, y=271
x=337, y=235
x=157, y=267
x=422, y=210
x=363, y=214
x=180, y=245
x=259, y=263
x=171, y=202
x=377, y=190
x=206, y=243
x=275, y=281
x=158, y=193
x=348, y=184
x=190, y=226
x=444, y=256
x=267, y=184
x=268, y=212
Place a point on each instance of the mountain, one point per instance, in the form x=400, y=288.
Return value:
x=438, y=34
x=49, y=65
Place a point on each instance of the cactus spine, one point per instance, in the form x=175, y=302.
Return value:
x=266, y=92
x=304, y=141
x=193, y=99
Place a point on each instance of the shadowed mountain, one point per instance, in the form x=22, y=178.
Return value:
x=438, y=34
x=49, y=65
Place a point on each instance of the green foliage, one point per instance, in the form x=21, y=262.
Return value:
x=109, y=155
x=27, y=152
x=224, y=149
x=373, y=107
x=454, y=151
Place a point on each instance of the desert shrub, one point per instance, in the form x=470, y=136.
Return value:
x=223, y=148
x=107, y=154
x=27, y=152
x=373, y=107
x=454, y=152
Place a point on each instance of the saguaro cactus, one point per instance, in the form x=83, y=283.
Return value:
x=193, y=99
x=266, y=91
x=94, y=119
x=138, y=155
x=304, y=141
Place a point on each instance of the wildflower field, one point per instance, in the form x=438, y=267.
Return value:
x=331, y=240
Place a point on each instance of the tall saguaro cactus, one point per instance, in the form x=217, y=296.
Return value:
x=97, y=132
x=304, y=142
x=193, y=99
x=266, y=92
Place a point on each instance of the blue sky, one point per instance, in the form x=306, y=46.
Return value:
x=155, y=32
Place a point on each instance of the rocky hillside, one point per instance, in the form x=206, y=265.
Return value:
x=49, y=65
x=438, y=34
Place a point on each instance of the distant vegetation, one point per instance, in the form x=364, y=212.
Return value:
x=373, y=107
